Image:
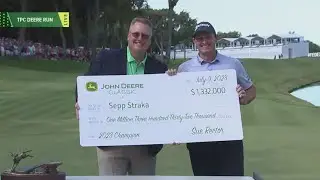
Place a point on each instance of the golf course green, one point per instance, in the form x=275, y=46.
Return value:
x=281, y=131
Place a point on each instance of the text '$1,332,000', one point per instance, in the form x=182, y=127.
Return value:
x=208, y=91
x=203, y=91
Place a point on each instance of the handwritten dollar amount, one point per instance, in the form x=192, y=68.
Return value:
x=208, y=91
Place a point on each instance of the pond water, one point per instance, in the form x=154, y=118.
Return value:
x=310, y=94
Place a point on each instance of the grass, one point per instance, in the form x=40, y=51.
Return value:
x=281, y=132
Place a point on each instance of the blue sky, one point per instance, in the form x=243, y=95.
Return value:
x=263, y=17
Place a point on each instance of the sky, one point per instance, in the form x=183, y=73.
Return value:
x=263, y=17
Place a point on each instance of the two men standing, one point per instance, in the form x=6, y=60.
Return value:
x=207, y=159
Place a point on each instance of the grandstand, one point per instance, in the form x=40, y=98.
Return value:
x=284, y=46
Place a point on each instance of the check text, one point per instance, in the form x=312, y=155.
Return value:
x=117, y=110
x=129, y=105
x=206, y=130
x=119, y=135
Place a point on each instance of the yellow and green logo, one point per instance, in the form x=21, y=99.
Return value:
x=92, y=86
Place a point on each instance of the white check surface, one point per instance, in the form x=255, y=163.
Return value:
x=159, y=109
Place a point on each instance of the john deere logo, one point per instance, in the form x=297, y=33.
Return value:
x=92, y=86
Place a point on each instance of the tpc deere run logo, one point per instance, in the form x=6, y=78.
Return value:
x=92, y=86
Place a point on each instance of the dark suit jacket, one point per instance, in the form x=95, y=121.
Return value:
x=114, y=62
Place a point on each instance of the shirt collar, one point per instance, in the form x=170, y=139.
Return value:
x=130, y=58
x=201, y=61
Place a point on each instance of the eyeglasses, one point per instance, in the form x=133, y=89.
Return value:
x=138, y=34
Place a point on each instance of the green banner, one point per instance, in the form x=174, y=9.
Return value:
x=34, y=19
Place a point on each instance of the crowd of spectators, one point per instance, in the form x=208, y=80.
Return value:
x=14, y=47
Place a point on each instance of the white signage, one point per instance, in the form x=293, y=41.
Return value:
x=159, y=109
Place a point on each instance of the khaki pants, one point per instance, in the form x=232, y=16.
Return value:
x=125, y=160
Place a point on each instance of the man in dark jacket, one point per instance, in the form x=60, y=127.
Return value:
x=132, y=60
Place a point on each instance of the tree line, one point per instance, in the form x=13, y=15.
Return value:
x=104, y=23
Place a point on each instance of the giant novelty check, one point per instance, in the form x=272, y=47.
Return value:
x=159, y=109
